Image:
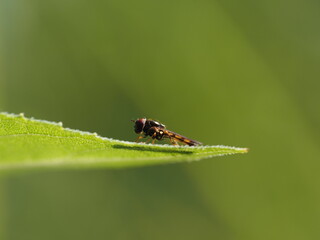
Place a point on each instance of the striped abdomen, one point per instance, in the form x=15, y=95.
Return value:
x=175, y=136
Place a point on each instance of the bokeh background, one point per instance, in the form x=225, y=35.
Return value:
x=239, y=73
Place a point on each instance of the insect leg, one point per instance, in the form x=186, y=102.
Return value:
x=139, y=137
x=173, y=141
x=152, y=137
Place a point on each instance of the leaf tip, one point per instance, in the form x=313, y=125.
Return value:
x=245, y=150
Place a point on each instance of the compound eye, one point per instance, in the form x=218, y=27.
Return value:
x=139, y=125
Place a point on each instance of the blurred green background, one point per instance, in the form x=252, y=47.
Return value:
x=239, y=73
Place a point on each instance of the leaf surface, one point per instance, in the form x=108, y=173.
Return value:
x=33, y=143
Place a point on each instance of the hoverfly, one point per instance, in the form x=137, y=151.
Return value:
x=158, y=131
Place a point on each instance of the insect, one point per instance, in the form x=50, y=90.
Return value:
x=158, y=131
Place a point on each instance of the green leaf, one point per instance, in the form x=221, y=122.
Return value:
x=34, y=143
